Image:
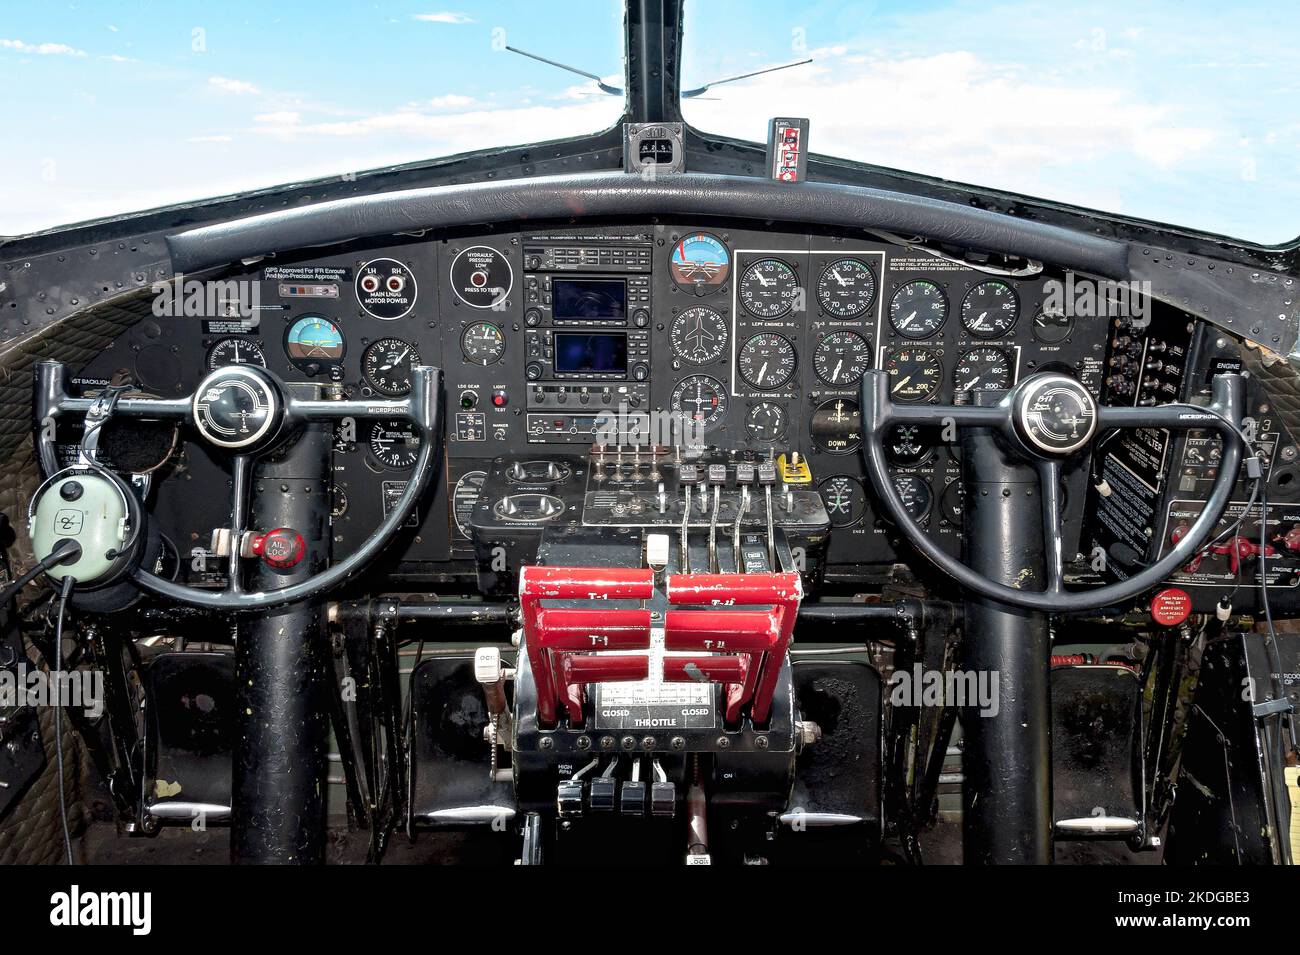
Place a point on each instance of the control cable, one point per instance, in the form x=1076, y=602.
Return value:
x=66, y=551
x=65, y=591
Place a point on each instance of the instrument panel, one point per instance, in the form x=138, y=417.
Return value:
x=698, y=335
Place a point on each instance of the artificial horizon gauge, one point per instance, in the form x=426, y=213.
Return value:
x=983, y=369
x=313, y=341
x=842, y=358
x=844, y=498
x=698, y=335
x=766, y=421
x=846, y=288
x=766, y=361
x=918, y=309
x=699, y=263
x=990, y=309
x=836, y=426
x=914, y=373
x=768, y=288
x=386, y=365
x=385, y=289
x=236, y=351
x=909, y=445
x=394, y=443
x=481, y=277
x=915, y=495
x=483, y=343
x=700, y=399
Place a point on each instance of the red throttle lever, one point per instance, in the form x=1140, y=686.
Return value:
x=1241, y=548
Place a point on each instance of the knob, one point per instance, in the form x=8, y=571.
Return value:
x=532, y=318
x=641, y=372
x=533, y=371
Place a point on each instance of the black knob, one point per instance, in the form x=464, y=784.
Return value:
x=71, y=490
x=533, y=371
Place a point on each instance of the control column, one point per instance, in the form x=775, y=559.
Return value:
x=1007, y=797
x=283, y=709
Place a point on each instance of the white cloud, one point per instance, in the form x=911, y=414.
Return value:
x=450, y=101
x=445, y=17
x=279, y=118
x=42, y=49
x=958, y=116
x=413, y=132
x=227, y=85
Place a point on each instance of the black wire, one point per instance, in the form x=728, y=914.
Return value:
x=65, y=591
x=65, y=551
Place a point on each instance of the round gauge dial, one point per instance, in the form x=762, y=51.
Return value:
x=483, y=343
x=916, y=497
x=908, y=445
x=846, y=289
x=1052, y=325
x=394, y=443
x=990, y=309
x=766, y=361
x=236, y=351
x=698, y=335
x=983, y=369
x=700, y=263
x=845, y=500
x=836, y=426
x=313, y=341
x=338, y=503
x=914, y=373
x=766, y=422
x=841, y=358
x=768, y=288
x=700, y=399
x=951, y=502
x=386, y=365
x=481, y=277
x=918, y=309
x=385, y=289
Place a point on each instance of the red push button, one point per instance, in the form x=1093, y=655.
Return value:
x=1171, y=607
x=281, y=549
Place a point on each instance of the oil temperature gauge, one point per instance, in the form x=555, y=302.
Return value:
x=915, y=495
x=909, y=445
x=845, y=500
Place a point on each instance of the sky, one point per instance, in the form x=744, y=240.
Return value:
x=1182, y=113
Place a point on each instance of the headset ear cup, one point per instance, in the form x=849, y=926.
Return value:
x=137, y=524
